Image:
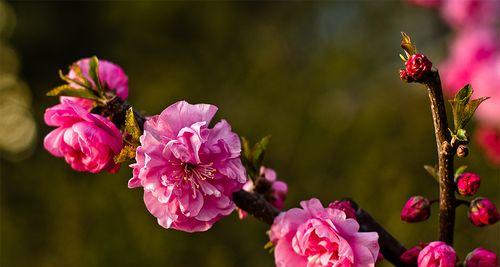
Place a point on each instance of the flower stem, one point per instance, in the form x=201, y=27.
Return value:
x=445, y=159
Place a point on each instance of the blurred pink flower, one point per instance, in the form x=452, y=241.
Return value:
x=461, y=13
x=486, y=83
x=471, y=49
x=88, y=142
x=437, y=254
x=426, y=3
x=276, y=194
x=318, y=236
x=111, y=76
x=188, y=171
x=489, y=140
x=483, y=212
x=481, y=257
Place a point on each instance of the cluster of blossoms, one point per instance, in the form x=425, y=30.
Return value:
x=87, y=141
x=189, y=171
x=474, y=58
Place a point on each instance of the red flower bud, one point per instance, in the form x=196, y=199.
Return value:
x=410, y=256
x=345, y=206
x=404, y=77
x=417, y=66
x=481, y=257
x=468, y=184
x=483, y=212
x=416, y=209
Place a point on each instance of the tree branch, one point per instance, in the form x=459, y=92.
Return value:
x=445, y=158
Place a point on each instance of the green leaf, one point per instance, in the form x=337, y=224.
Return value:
x=127, y=152
x=470, y=109
x=131, y=126
x=94, y=72
x=432, y=171
x=259, y=150
x=66, y=90
x=460, y=170
x=463, y=107
x=461, y=135
x=81, y=81
x=407, y=45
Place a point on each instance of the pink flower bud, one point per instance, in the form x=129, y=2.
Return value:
x=481, y=257
x=416, y=209
x=345, y=206
x=279, y=190
x=437, y=254
x=417, y=66
x=404, y=76
x=468, y=184
x=410, y=256
x=483, y=212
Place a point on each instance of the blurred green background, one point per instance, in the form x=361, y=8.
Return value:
x=321, y=78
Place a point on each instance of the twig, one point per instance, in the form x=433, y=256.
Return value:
x=445, y=158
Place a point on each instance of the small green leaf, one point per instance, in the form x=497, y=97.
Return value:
x=461, y=135
x=259, y=151
x=432, y=171
x=470, y=108
x=460, y=170
x=407, y=45
x=127, y=152
x=94, y=72
x=131, y=126
x=80, y=80
x=66, y=90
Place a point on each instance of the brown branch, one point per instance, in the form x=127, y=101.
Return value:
x=256, y=205
x=445, y=158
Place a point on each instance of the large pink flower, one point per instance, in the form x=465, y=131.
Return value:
x=315, y=236
x=88, y=142
x=111, y=76
x=460, y=13
x=188, y=171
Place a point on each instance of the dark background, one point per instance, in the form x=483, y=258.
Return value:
x=321, y=78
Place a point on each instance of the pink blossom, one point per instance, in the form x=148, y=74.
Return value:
x=426, y=3
x=481, y=257
x=275, y=194
x=111, y=76
x=485, y=84
x=489, y=140
x=471, y=49
x=88, y=142
x=188, y=170
x=416, y=209
x=315, y=236
x=460, y=13
x=410, y=256
x=437, y=254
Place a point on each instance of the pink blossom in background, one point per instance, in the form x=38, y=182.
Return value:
x=188, y=170
x=426, y=3
x=318, y=236
x=486, y=82
x=488, y=139
x=437, y=254
x=111, y=76
x=410, y=256
x=470, y=50
x=481, y=257
x=88, y=142
x=468, y=13
x=277, y=193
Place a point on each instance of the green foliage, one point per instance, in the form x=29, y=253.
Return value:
x=463, y=109
x=94, y=73
x=66, y=90
x=460, y=170
x=252, y=157
x=131, y=135
x=408, y=46
x=432, y=170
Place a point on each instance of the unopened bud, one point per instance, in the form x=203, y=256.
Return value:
x=417, y=66
x=462, y=151
x=483, y=212
x=416, y=209
x=468, y=183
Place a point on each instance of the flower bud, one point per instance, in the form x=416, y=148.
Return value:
x=462, y=151
x=404, y=76
x=417, y=66
x=483, y=212
x=410, y=256
x=481, y=257
x=345, y=206
x=416, y=209
x=468, y=184
x=437, y=254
